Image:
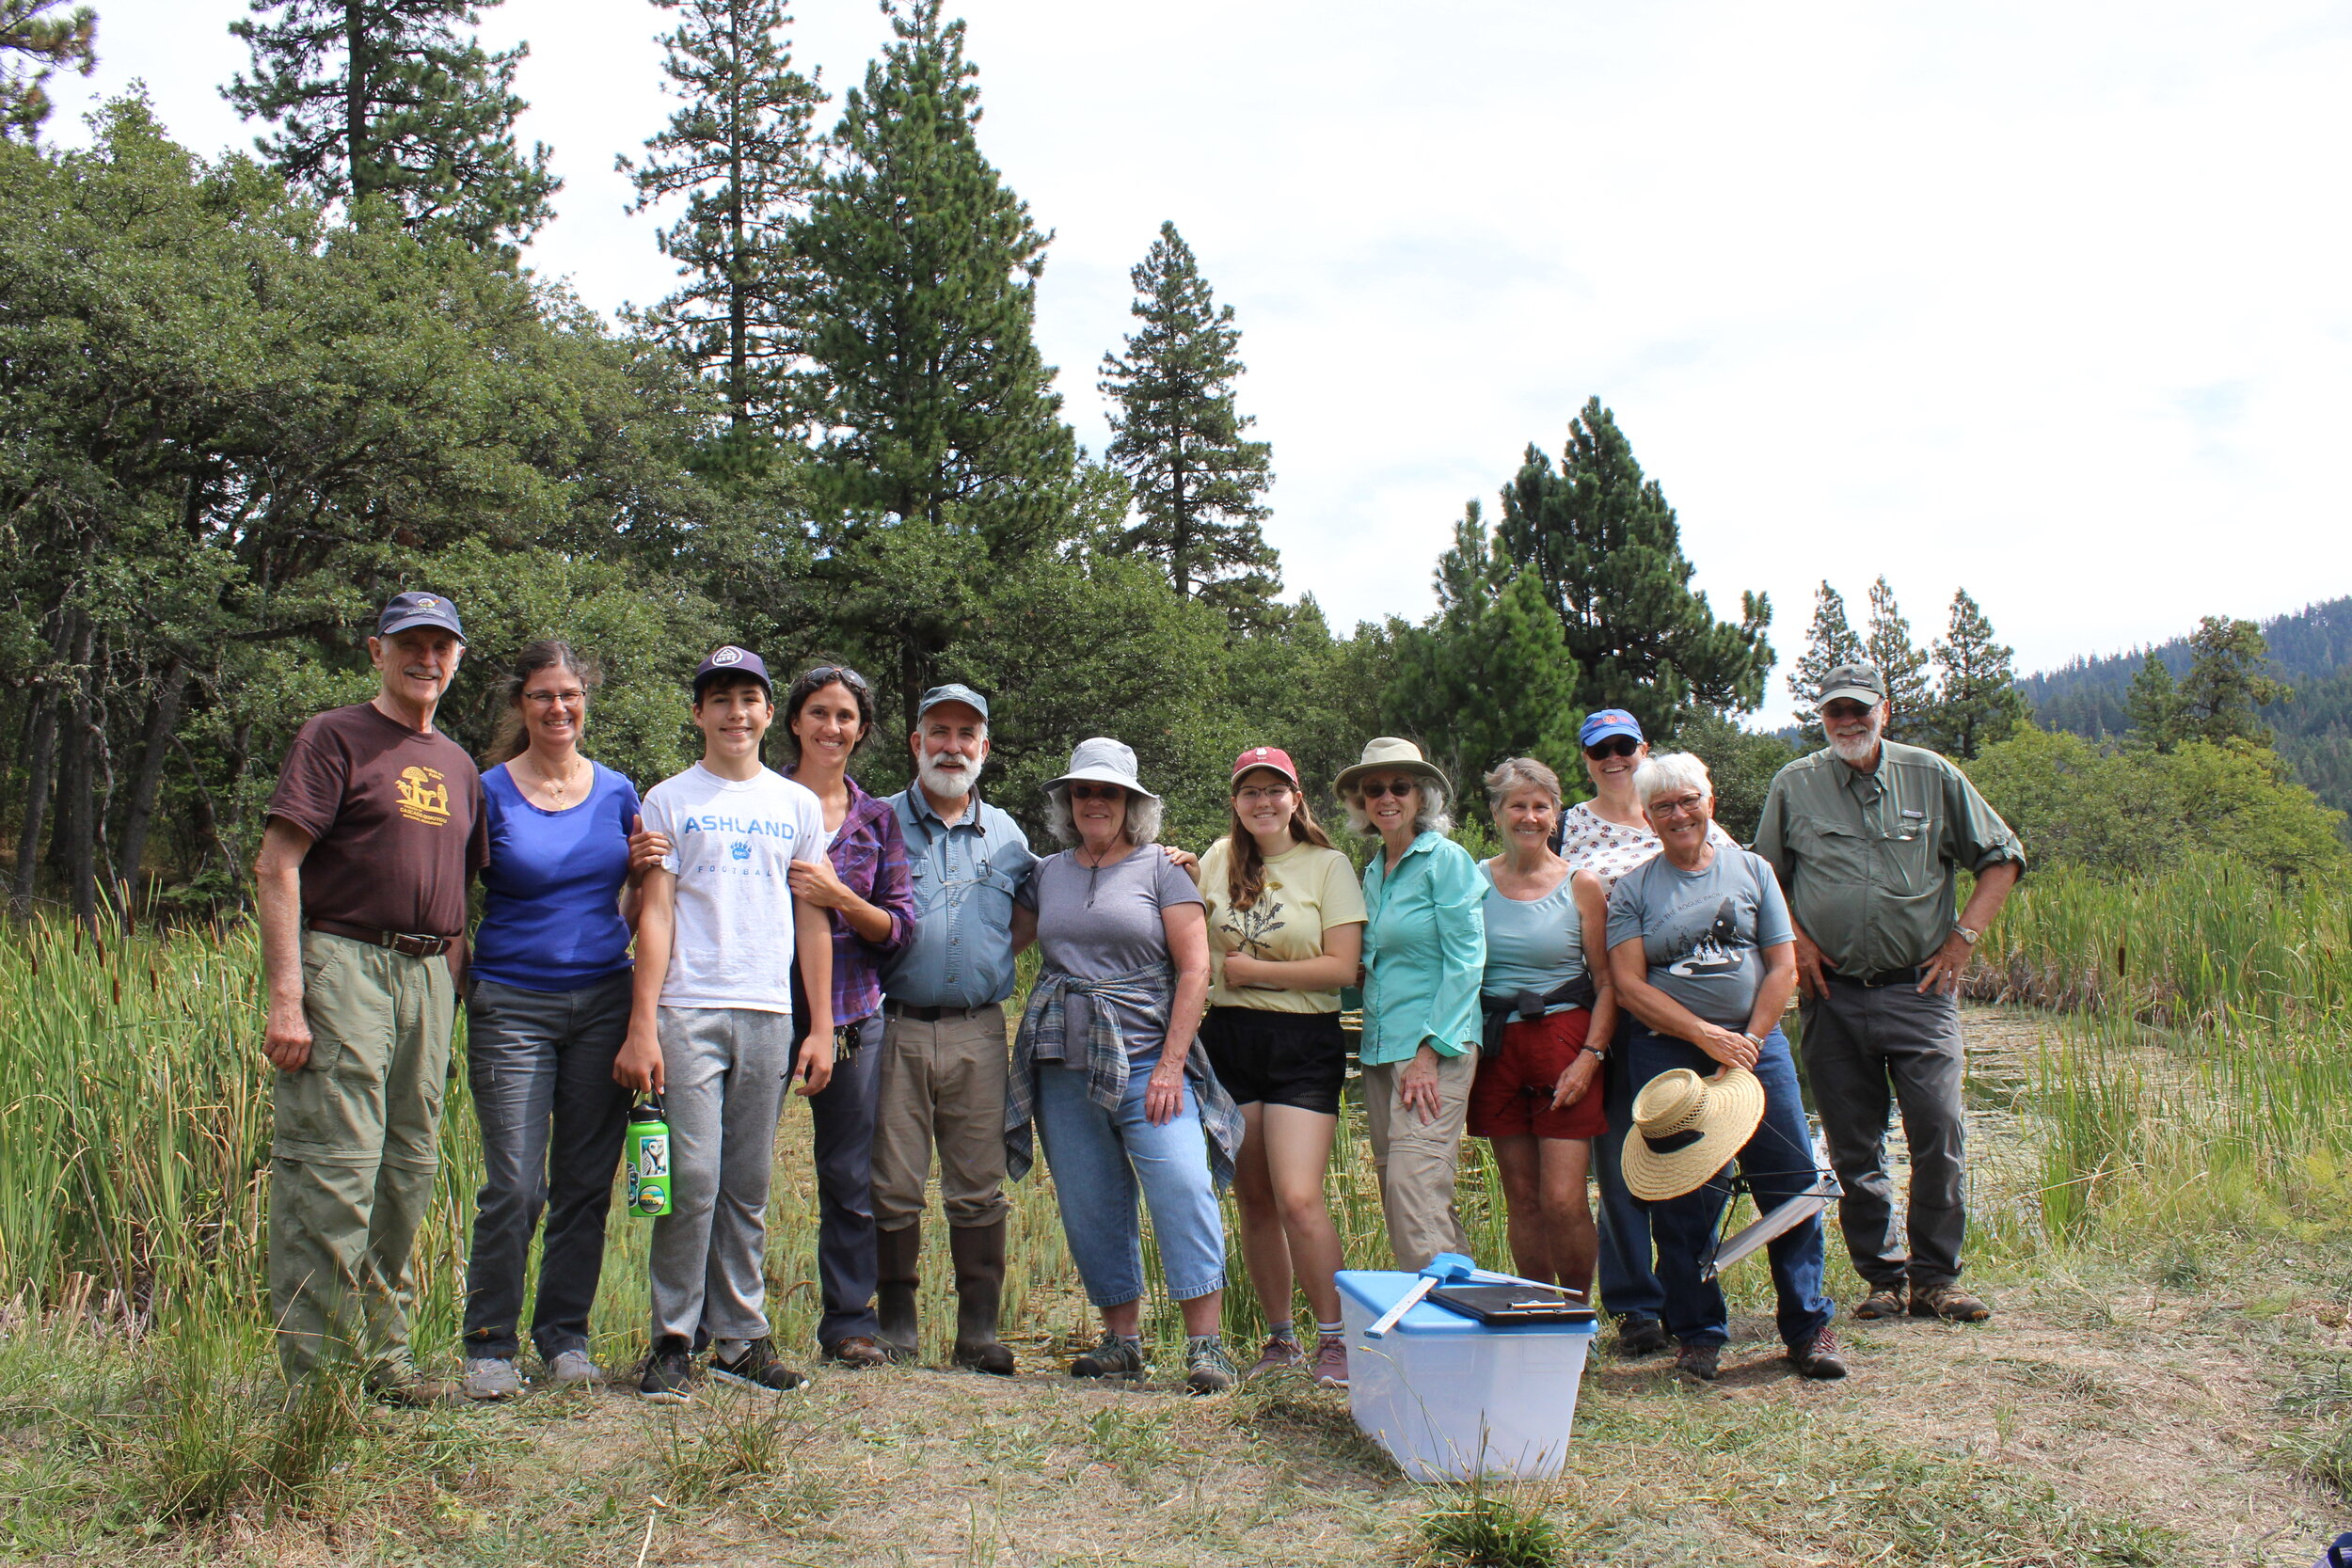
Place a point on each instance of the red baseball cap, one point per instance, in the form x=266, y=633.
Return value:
x=1267, y=756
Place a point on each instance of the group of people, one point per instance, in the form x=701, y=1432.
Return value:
x=1600, y=1000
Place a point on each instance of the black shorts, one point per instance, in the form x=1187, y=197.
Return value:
x=1265, y=1057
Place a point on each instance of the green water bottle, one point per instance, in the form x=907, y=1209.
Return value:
x=648, y=1151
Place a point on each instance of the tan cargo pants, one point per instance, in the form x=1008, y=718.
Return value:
x=941, y=1081
x=352, y=1163
x=1417, y=1160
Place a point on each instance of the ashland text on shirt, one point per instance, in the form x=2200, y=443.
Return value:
x=731, y=841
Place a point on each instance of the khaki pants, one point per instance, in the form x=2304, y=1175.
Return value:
x=941, y=1081
x=1415, y=1160
x=351, y=1173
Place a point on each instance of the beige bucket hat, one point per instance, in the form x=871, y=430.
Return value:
x=1387, y=755
x=1686, y=1128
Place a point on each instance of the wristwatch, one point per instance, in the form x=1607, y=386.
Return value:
x=1755, y=1041
x=1966, y=935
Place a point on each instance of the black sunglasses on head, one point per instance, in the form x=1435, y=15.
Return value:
x=1616, y=745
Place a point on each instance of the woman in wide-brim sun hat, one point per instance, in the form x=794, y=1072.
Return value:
x=1703, y=955
x=1425, y=955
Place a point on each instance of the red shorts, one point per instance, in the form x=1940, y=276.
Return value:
x=1511, y=1096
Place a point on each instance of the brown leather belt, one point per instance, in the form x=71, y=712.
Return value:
x=399, y=942
x=932, y=1015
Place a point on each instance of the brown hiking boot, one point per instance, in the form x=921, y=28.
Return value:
x=396, y=1381
x=1884, y=1300
x=897, y=1256
x=1699, y=1363
x=978, y=1251
x=858, y=1352
x=1818, y=1357
x=1640, y=1336
x=1947, y=1301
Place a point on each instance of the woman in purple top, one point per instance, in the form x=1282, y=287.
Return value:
x=862, y=883
x=546, y=1006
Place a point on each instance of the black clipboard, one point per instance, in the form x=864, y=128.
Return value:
x=1499, y=1304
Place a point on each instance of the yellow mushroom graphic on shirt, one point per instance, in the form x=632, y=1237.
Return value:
x=423, y=798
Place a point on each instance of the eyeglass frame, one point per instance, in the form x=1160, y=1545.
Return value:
x=1372, y=791
x=1687, y=805
x=1613, y=746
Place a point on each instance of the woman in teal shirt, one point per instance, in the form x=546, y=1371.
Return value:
x=1425, y=954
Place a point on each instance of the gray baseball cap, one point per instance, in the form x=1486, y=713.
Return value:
x=954, y=692
x=1860, y=682
x=1102, y=760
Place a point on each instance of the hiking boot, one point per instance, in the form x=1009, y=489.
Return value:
x=1640, y=1336
x=572, y=1368
x=670, y=1372
x=1331, y=1367
x=1280, y=1351
x=896, y=1254
x=1114, y=1358
x=858, y=1352
x=1207, y=1369
x=1947, y=1301
x=491, y=1377
x=1699, y=1363
x=1884, y=1300
x=396, y=1381
x=1818, y=1358
x=978, y=1252
x=757, y=1368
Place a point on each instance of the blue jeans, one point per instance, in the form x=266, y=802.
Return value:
x=1629, y=1282
x=1778, y=1164
x=1100, y=1158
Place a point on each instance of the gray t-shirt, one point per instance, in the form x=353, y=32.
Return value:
x=1094, y=924
x=1704, y=931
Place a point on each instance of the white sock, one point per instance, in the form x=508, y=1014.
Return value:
x=1331, y=1331
x=1283, y=1330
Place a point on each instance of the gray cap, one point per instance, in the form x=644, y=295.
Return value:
x=954, y=692
x=1860, y=682
x=1102, y=760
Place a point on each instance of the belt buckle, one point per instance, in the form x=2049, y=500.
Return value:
x=410, y=945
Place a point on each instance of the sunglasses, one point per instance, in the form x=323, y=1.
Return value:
x=825, y=674
x=1097, y=792
x=1398, y=787
x=1617, y=746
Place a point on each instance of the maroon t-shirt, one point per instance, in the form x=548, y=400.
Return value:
x=395, y=822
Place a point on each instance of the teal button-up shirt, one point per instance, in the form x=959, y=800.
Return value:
x=1424, y=951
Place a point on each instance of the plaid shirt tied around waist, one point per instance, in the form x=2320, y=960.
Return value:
x=1150, y=990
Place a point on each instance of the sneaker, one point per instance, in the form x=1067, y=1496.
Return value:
x=1207, y=1369
x=670, y=1372
x=492, y=1377
x=1640, y=1336
x=1113, y=1357
x=757, y=1368
x=1280, y=1351
x=1819, y=1359
x=1331, y=1362
x=1699, y=1363
x=572, y=1368
x=1947, y=1301
x=1884, y=1300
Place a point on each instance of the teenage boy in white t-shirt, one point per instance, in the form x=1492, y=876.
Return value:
x=711, y=1029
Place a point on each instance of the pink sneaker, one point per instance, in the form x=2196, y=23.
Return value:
x=1278, y=1352
x=1331, y=1363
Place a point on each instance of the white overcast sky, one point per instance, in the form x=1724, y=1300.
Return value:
x=2044, y=299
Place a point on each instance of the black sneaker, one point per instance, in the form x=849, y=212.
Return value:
x=670, y=1372
x=1699, y=1363
x=1640, y=1336
x=757, y=1368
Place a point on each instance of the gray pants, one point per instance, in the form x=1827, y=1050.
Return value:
x=843, y=1114
x=723, y=1070
x=1869, y=1049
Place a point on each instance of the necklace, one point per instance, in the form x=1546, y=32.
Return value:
x=555, y=786
x=1093, y=871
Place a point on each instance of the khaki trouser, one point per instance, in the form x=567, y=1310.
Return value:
x=1415, y=1160
x=352, y=1166
x=941, y=1081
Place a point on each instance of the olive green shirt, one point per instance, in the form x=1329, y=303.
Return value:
x=1870, y=860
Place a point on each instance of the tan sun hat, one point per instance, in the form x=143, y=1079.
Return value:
x=1686, y=1128
x=1387, y=755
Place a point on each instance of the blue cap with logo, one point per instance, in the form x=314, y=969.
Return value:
x=954, y=692
x=418, y=609
x=1608, y=721
x=732, y=660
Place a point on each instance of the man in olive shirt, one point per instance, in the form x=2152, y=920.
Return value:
x=1868, y=837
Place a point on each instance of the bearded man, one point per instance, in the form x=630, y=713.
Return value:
x=1868, y=837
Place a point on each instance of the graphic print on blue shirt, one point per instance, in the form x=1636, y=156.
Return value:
x=1715, y=951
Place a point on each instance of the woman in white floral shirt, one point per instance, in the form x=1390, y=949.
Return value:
x=1607, y=835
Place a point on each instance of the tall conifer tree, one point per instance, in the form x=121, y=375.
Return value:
x=1903, y=662
x=34, y=46
x=388, y=99
x=737, y=150
x=2153, y=704
x=1179, y=436
x=1977, y=699
x=1829, y=642
x=2227, y=683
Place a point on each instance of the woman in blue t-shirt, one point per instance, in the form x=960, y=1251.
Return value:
x=547, y=1008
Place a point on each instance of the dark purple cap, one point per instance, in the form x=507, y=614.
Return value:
x=418, y=609
x=732, y=660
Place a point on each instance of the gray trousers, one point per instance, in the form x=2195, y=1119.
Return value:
x=1869, y=1049
x=843, y=1114
x=723, y=1070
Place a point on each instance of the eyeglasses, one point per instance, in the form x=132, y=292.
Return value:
x=1097, y=792
x=1618, y=746
x=1687, y=805
x=1372, y=789
x=1844, y=709
x=1254, y=795
x=548, y=699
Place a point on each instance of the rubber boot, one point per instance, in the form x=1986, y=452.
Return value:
x=978, y=1251
x=897, y=1256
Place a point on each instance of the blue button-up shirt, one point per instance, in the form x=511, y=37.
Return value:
x=965, y=878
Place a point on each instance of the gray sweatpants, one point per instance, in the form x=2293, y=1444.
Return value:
x=723, y=1070
x=1869, y=1049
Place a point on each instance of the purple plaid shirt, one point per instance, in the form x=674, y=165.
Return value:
x=870, y=858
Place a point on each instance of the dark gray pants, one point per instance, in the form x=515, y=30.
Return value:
x=1869, y=1049
x=844, y=1112
x=540, y=1065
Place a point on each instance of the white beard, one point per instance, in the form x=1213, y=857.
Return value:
x=947, y=784
x=1856, y=751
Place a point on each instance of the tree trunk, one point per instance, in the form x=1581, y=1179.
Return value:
x=355, y=99
x=162, y=715
x=78, y=811
x=39, y=752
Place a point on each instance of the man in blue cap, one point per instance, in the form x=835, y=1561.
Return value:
x=374, y=828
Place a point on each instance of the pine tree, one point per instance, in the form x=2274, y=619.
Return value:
x=1888, y=645
x=33, y=48
x=1977, y=699
x=737, y=150
x=2225, y=685
x=1604, y=543
x=1828, y=642
x=385, y=99
x=1178, y=435
x=2153, y=703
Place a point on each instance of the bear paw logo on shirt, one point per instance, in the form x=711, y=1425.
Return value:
x=423, y=796
x=740, y=848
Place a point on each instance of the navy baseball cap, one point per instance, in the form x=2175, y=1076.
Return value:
x=954, y=692
x=732, y=660
x=418, y=609
x=1608, y=721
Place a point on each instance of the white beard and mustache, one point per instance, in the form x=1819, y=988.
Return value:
x=948, y=784
x=1857, y=750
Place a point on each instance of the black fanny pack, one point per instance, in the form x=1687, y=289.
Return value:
x=1577, y=992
